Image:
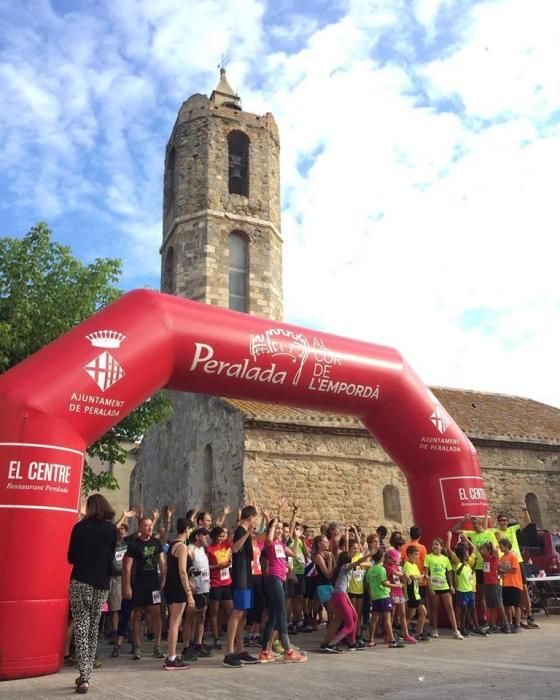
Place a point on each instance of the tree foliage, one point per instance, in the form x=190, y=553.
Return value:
x=45, y=291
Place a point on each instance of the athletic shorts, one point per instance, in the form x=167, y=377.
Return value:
x=324, y=592
x=493, y=595
x=299, y=586
x=382, y=605
x=397, y=599
x=142, y=593
x=442, y=592
x=465, y=599
x=479, y=577
x=242, y=598
x=220, y=593
x=289, y=588
x=200, y=600
x=356, y=596
x=511, y=597
x=414, y=603
x=115, y=593
x=310, y=587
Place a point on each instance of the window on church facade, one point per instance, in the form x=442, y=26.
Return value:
x=532, y=503
x=238, y=272
x=169, y=183
x=208, y=479
x=392, y=504
x=238, y=163
x=168, y=280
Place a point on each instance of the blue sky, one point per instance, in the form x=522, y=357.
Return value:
x=420, y=143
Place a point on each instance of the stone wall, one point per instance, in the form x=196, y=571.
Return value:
x=195, y=458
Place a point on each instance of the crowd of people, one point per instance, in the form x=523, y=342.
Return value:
x=271, y=577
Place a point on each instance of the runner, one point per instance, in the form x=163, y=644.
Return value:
x=276, y=553
x=178, y=594
x=219, y=557
x=141, y=584
x=198, y=570
x=242, y=591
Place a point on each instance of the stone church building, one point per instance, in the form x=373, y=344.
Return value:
x=222, y=245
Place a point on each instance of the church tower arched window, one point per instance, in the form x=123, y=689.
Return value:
x=533, y=506
x=392, y=504
x=238, y=272
x=238, y=163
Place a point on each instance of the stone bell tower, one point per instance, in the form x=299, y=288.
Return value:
x=221, y=206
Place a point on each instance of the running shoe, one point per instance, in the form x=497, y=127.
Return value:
x=294, y=657
x=424, y=637
x=137, y=653
x=409, y=639
x=246, y=658
x=116, y=651
x=331, y=649
x=157, y=653
x=189, y=655
x=358, y=645
x=266, y=656
x=277, y=647
x=434, y=634
x=203, y=652
x=395, y=645
x=515, y=629
x=480, y=632
x=176, y=665
x=457, y=635
x=531, y=624
x=217, y=645
x=506, y=629
x=232, y=661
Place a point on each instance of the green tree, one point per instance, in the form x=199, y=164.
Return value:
x=45, y=291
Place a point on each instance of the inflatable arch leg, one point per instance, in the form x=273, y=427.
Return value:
x=57, y=402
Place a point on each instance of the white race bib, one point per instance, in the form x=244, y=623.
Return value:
x=279, y=551
x=119, y=556
x=486, y=567
x=438, y=581
x=156, y=597
x=205, y=575
x=224, y=574
x=358, y=574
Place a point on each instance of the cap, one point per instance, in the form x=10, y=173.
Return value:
x=393, y=554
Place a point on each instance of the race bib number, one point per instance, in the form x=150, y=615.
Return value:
x=486, y=567
x=156, y=597
x=119, y=556
x=438, y=581
x=224, y=574
x=300, y=558
x=279, y=551
x=358, y=574
x=205, y=575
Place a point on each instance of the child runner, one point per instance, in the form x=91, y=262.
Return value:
x=356, y=583
x=381, y=606
x=493, y=589
x=219, y=558
x=414, y=600
x=513, y=584
x=178, y=594
x=276, y=553
x=463, y=562
x=342, y=605
x=439, y=572
x=397, y=576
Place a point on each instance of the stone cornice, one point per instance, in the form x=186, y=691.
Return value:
x=218, y=214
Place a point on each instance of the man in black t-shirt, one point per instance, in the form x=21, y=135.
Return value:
x=242, y=585
x=141, y=583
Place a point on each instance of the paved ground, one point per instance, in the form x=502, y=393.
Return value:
x=522, y=666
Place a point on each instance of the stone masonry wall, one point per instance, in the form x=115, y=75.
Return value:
x=173, y=467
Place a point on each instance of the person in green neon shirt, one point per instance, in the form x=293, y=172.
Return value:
x=479, y=535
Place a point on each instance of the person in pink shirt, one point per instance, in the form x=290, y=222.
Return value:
x=395, y=574
x=276, y=553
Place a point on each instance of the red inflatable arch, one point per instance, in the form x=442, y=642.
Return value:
x=57, y=402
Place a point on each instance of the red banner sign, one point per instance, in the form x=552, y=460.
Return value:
x=462, y=495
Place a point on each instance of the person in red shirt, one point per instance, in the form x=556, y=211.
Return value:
x=513, y=584
x=219, y=558
x=493, y=589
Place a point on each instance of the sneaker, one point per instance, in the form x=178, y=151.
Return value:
x=409, y=639
x=492, y=629
x=246, y=658
x=189, y=655
x=458, y=635
x=176, y=665
x=255, y=641
x=531, y=624
x=266, y=656
x=157, y=653
x=358, y=645
x=434, y=634
x=395, y=645
x=515, y=629
x=424, y=637
x=97, y=663
x=116, y=651
x=480, y=632
x=277, y=647
x=331, y=649
x=506, y=629
x=204, y=652
x=137, y=653
x=232, y=661
x=217, y=645
x=294, y=657
x=465, y=632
